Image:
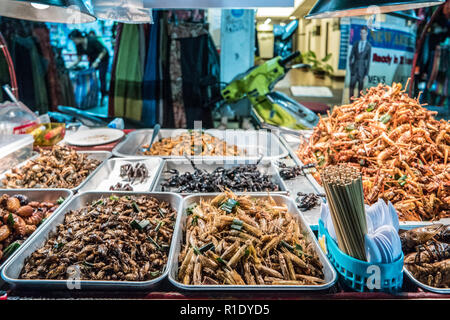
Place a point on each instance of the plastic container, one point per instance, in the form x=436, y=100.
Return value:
x=15, y=149
x=359, y=275
x=48, y=134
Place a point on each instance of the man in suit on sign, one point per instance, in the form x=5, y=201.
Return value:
x=360, y=62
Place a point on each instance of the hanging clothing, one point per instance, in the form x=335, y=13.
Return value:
x=151, y=77
x=177, y=32
x=33, y=90
x=43, y=35
x=201, y=74
x=128, y=82
x=112, y=82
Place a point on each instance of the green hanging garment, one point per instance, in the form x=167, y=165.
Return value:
x=129, y=74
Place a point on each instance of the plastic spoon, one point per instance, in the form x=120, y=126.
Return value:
x=156, y=129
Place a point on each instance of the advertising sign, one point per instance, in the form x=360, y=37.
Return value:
x=377, y=55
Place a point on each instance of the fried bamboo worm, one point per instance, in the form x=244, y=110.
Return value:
x=185, y=263
x=272, y=244
x=312, y=280
x=290, y=267
x=207, y=262
x=237, y=256
x=229, y=252
x=245, y=236
x=269, y=271
x=189, y=269
x=259, y=278
x=197, y=277
x=296, y=260
x=249, y=278
x=283, y=266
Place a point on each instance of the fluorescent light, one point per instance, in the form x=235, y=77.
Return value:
x=267, y=21
x=39, y=6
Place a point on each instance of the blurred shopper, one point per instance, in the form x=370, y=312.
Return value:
x=97, y=54
x=360, y=62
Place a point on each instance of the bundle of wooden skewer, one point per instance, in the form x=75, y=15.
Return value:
x=344, y=191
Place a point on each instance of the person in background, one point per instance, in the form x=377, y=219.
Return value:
x=360, y=62
x=97, y=54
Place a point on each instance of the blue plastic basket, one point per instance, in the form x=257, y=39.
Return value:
x=355, y=273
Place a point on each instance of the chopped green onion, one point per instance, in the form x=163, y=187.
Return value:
x=350, y=127
x=236, y=227
x=247, y=253
x=60, y=200
x=88, y=264
x=197, y=251
x=160, y=224
x=238, y=222
x=161, y=213
x=136, y=207
x=194, y=220
x=385, y=118
x=10, y=220
x=154, y=242
x=58, y=245
x=99, y=202
x=350, y=136
x=42, y=221
x=113, y=198
x=286, y=245
x=228, y=205
x=371, y=106
x=402, y=183
x=165, y=247
x=206, y=247
x=403, y=177
x=10, y=249
x=190, y=209
x=135, y=225
x=155, y=273
x=220, y=260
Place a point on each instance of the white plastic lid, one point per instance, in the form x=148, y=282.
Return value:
x=10, y=143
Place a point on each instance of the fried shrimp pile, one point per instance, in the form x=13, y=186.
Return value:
x=401, y=150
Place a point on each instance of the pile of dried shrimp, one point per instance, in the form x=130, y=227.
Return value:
x=238, y=240
x=60, y=167
x=401, y=150
x=193, y=143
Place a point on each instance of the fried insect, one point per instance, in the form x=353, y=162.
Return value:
x=123, y=238
x=400, y=149
x=60, y=167
x=242, y=178
x=193, y=143
x=224, y=242
x=19, y=218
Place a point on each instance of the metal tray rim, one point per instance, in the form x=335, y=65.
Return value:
x=116, y=153
x=424, y=286
x=257, y=287
x=88, y=284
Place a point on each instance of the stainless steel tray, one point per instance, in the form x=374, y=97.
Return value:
x=12, y=269
x=51, y=195
x=424, y=286
x=329, y=272
x=98, y=155
x=108, y=174
x=256, y=142
x=266, y=167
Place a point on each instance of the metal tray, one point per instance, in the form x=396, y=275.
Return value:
x=98, y=155
x=255, y=142
x=266, y=167
x=424, y=286
x=40, y=195
x=329, y=272
x=109, y=172
x=12, y=270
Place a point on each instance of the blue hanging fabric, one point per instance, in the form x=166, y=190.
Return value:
x=149, y=94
